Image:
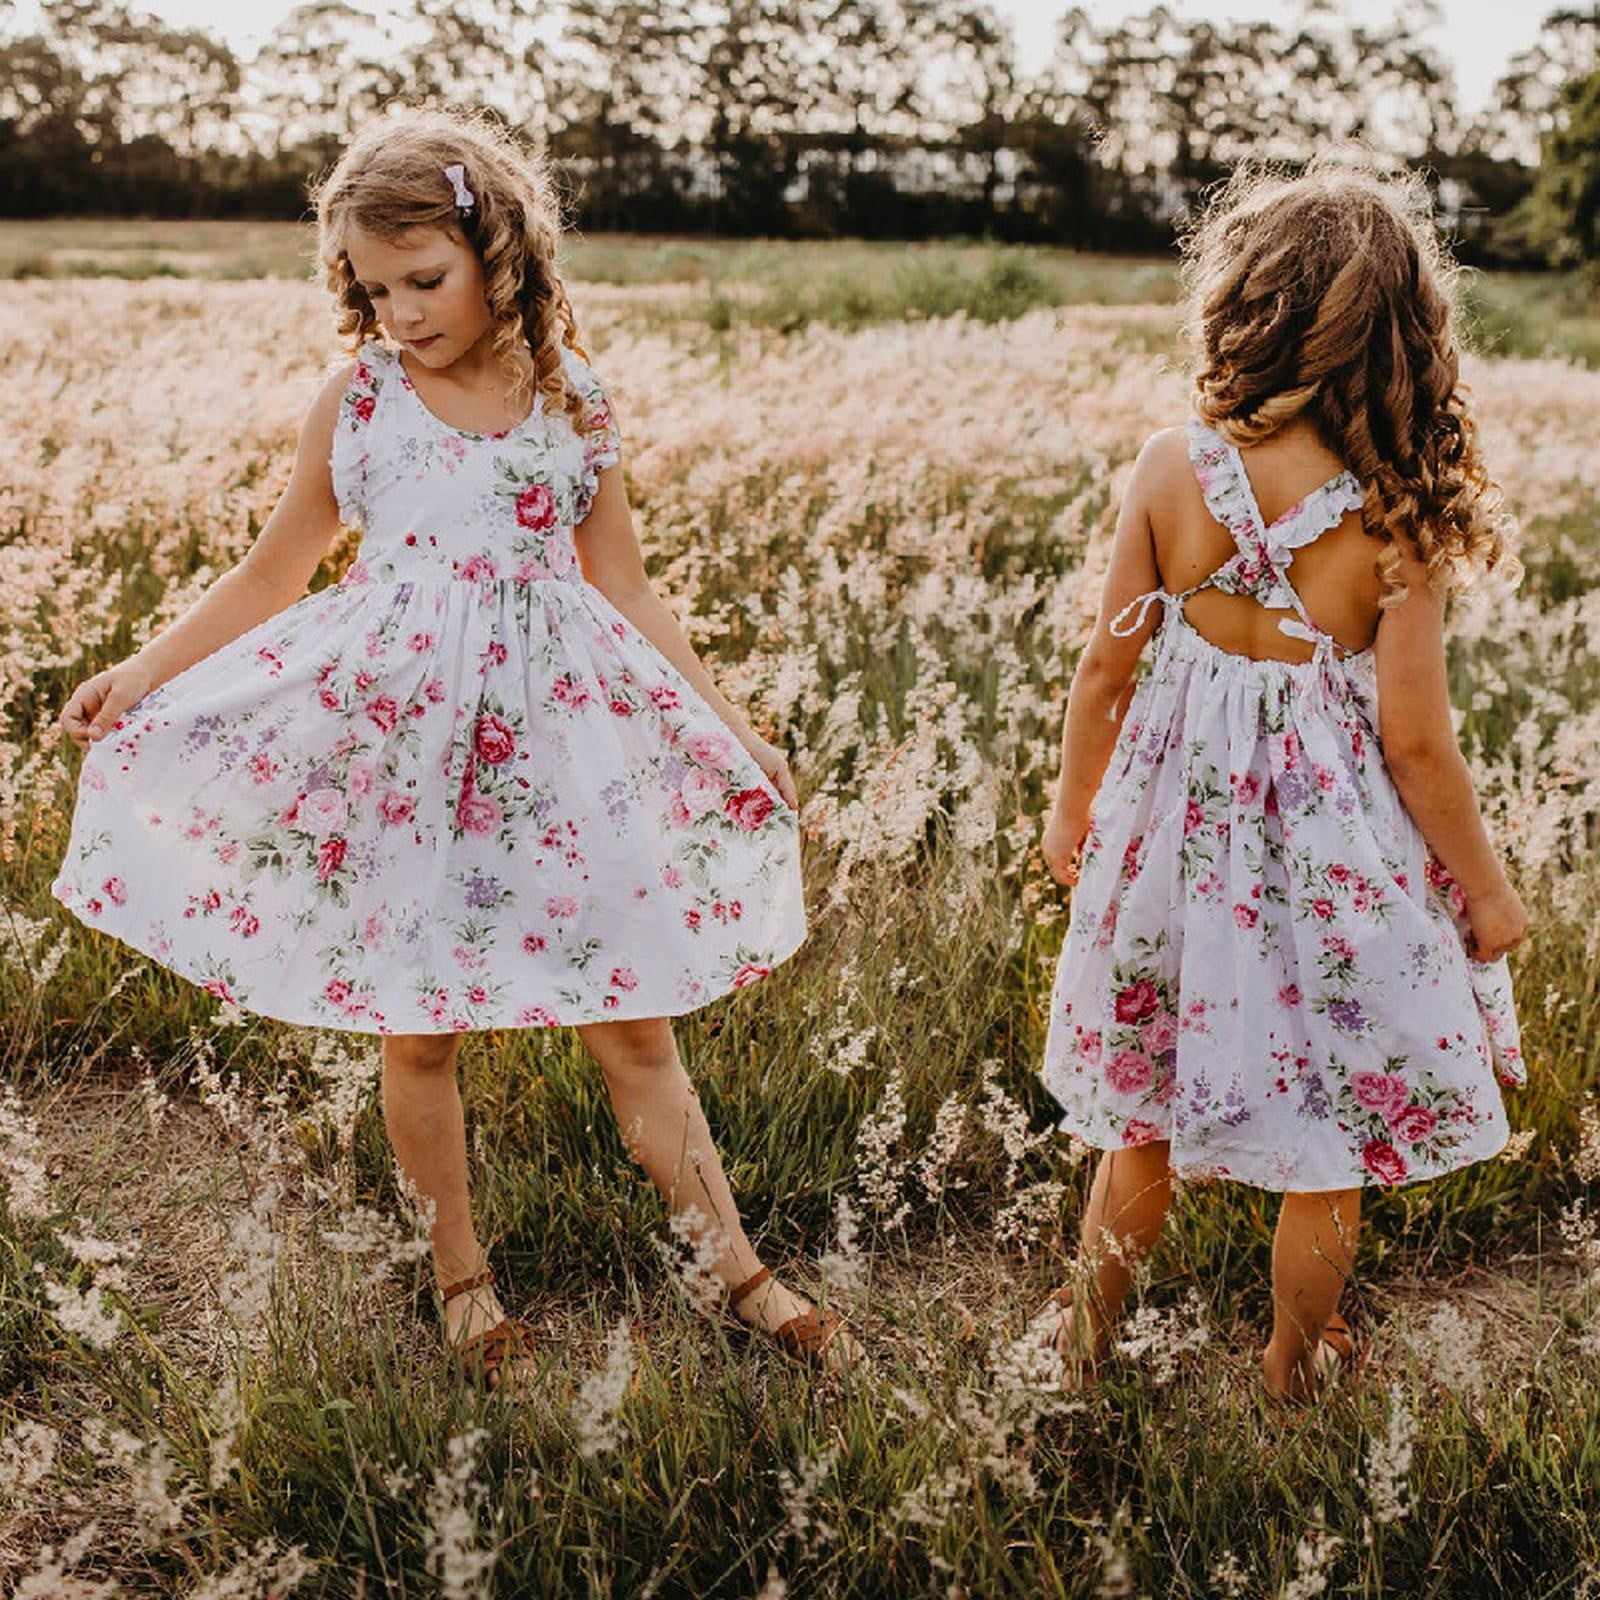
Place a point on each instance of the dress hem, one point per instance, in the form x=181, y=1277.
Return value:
x=623, y=1012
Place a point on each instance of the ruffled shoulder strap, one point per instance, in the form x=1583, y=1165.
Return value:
x=602, y=441
x=372, y=373
x=1228, y=496
x=1313, y=514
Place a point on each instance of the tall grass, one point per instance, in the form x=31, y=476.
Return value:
x=884, y=539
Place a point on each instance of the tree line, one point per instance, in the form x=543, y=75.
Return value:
x=896, y=118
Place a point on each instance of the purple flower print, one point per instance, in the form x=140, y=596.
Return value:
x=1293, y=791
x=1347, y=1014
x=483, y=892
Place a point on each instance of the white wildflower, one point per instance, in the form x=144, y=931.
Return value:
x=597, y=1410
x=349, y=1068
x=455, y=1502
x=1161, y=1338
x=806, y=1525
x=880, y=1173
x=265, y=1571
x=52, y=1578
x=1450, y=1349
x=1029, y=1216
x=1009, y=1123
x=1519, y=1144
x=150, y=1470
x=22, y=1160
x=1586, y=1159
x=696, y=1248
x=22, y=944
x=1389, y=1465
x=775, y=1588
x=246, y=1288
x=1110, y=1547
x=933, y=1170
x=84, y=1313
x=227, y=1421
x=1228, y=1579
x=844, y=1266
x=376, y=1238
x=27, y=1458
x=1314, y=1557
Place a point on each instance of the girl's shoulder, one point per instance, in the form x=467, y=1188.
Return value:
x=580, y=374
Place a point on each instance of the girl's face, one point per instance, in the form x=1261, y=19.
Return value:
x=426, y=288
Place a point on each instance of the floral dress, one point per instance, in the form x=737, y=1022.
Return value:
x=455, y=790
x=1263, y=963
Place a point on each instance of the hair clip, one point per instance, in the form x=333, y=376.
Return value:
x=457, y=175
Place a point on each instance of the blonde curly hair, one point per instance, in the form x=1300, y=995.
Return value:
x=1328, y=295
x=391, y=180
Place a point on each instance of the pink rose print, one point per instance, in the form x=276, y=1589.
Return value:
x=1382, y=1092
x=359, y=779
x=396, y=808
x=569, y=692
x=671, y=877
x=536, y=507
x=419, y=642
x=749, y=973
x=537, y=1017
x=1289, y=996
x=495, y=741
x=115, y=890
x=1160, y=1033
x=620, y=707
x=710, y=749
x=691, y=918
x=337, y=990
x=749, y=808
x=624, y=978
x=1383, y=1161
x=478, y=813
x=1090, y=1046
x=478, y=568
x=701, y=792
x=561, y=905
x=1414, y=1124
x=434, y=691
x=664, y=697
x=1129, y=1072
x=384, y=712
x=1138, y=1132
x=1322, y=908
x=1246, y=916
x=364, y=680
x=533, y=943
x=217, y=987
x=1194, y=816
x=330, y=858
x=1137, y=1001
x=329, y=698
x=322, y=811
x=365, y=405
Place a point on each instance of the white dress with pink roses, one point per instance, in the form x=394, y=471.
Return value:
x=1263, y=964
x=455, y=790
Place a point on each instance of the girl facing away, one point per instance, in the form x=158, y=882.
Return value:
x=480, y=782
x=1285, y=958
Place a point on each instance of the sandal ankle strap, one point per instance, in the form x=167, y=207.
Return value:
x=477, y=1281
x=749, y=1286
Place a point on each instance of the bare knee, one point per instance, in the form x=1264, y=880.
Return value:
x=421, y=1052
x=632, y=1052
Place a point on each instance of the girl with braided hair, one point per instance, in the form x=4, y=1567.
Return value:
x=1285, y=958
x=480, y=782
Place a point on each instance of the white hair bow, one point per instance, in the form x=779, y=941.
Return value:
x=457, y=175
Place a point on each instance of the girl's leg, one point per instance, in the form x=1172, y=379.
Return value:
x=427, y=1131
x=1128, y=1204
x=1313, y=1256
x=665, y=1130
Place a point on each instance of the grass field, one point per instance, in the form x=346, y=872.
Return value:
x=219, y=1372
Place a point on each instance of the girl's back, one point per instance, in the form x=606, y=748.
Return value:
x=1334, y=575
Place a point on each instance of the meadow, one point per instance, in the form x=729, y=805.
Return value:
x=883, y=522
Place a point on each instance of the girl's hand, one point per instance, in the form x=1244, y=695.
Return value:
x=1495, y=922
x=775, y=765
x=1062, y=842
x=97, y=702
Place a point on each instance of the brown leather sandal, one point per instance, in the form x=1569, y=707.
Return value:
x=816, y=1338
x=484, y=1354
x=1336, y=1352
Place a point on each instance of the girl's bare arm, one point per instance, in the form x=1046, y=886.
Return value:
x=1102, y=682
x=608, y=551
x=272, y=574
x=1420, y=748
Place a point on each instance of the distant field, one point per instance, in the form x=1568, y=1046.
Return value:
x=777, y=283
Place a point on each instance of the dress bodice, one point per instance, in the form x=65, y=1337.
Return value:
x=437, y=502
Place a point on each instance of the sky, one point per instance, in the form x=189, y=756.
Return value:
x=1478, y=37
